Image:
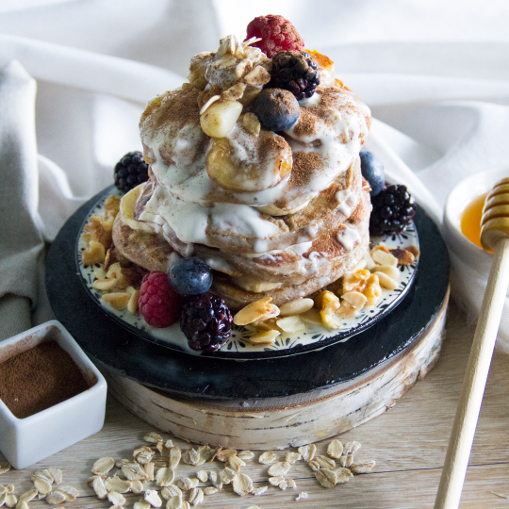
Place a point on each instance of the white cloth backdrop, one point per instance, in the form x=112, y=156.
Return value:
x=435, y=74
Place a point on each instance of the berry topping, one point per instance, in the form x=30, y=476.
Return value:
x=276, y=109
x=206, y=322
x=191, y=276
x=373, y=171
x=295, y=71
x=130, y=171
x=393, y=208
x=276, y=33
x=159, y=304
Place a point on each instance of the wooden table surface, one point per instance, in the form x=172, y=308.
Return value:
x=408, y=444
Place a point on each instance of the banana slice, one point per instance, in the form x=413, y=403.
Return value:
x=267, y=161
x=127, y=204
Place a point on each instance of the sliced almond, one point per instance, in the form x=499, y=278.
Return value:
x=389, y=270
x=104, y=284
x=264, y=337
x=383, y=258
x=261, y=309
x=386, y=281
x=356, y=299
x=117, y=300
x=296, y=307
x=291, y=323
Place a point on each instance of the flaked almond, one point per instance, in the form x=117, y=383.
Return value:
x=117, y=300
x=382, y=258
x=296, y=307
x=386, y=281
x=263, y=337
x=291, y=323
x=261, y=309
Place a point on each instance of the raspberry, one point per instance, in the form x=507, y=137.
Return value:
x=277, y=34
x=206, y=322
x=393, y=209
x=159, y=304
x=130, y=171
x=295, y=71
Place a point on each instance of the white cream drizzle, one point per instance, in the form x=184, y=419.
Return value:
x=184, y=190
x=348, y=238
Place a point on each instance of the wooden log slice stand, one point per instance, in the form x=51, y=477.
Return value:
x=264, y=404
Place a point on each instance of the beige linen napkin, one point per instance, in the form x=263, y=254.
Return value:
x=20, y=239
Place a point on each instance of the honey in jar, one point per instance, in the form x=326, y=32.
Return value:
x=471, y=220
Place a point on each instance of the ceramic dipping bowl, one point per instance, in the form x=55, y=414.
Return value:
x=459, y=198
x=31, y=439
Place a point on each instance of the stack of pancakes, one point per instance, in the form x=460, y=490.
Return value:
x=297, y=231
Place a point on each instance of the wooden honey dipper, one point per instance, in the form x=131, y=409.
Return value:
x=494, y=236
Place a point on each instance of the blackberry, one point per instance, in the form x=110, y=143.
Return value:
x=130, y=171
x=206, y=322
x=393, y=208
x=295, y=71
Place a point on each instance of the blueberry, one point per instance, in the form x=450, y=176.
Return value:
x=191, y=276
x=276, y=109
x=373, y=171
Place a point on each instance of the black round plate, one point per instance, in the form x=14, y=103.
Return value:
x=150, y=364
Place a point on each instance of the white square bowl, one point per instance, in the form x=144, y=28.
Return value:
x=27, y=441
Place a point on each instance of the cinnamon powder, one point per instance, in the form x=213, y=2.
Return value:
x=38, y=379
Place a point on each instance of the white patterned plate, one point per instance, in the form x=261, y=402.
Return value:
x=314, y=337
